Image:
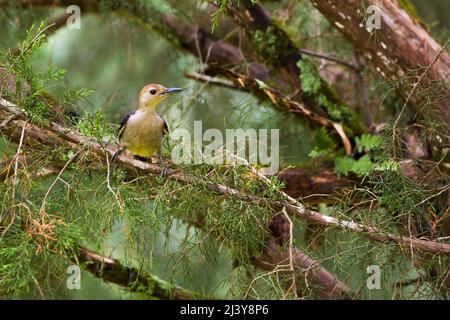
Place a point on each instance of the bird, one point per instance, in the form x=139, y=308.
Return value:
x=142, y=131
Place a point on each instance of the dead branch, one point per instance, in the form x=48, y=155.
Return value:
x=265, y=92
x=328, y=57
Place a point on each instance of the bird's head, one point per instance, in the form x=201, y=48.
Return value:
x=152, y=94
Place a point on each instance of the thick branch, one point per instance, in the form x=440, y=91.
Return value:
x=131, y=279
x=401, y=45
x=315, y=185
x=210, y=51
x=76, y=140
x=282, y=54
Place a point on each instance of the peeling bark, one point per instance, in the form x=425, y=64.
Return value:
x=401, y=46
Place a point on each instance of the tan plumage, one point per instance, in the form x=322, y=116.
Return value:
x=142, y=132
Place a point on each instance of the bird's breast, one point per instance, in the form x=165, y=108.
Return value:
x=143, y=133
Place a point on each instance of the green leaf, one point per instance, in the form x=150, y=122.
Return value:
x=322, y=140
x=323, y=143
x=77, y=94
x=387, y=165
x=362, y=166
x=309, y=78
x=343, y=165
x=367, y=142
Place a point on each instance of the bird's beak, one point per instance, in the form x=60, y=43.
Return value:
x=171, y=90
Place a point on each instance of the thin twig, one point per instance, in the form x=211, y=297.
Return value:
x=14, y=184
x=211, y=80
x=291, y=253
x=119, y=203
x=330, y=58
x=44, y=201
x=413, y=90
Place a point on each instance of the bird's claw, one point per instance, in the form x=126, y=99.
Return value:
x=164, y=172
x=116, y=154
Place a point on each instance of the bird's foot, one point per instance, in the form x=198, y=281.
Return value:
x=116, y=154
x=163, y=174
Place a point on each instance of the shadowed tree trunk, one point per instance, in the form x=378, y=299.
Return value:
x=399, y=47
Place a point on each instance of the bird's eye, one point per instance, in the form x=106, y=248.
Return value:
x=152, y=92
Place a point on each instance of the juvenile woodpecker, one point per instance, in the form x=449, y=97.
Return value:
x=142, y=131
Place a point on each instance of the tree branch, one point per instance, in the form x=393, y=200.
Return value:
x=211, y=52
x=131, y=279
x=400, y=46
x=58, y=134
x=283, y=54
x=265, y=92
x=54, y=132
x=330, y=58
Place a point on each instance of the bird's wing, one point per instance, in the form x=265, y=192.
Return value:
x=165, y=126
x=123, y=123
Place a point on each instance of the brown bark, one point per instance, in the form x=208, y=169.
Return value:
x=321, y=185
x=401, y=45
x=253, y=16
